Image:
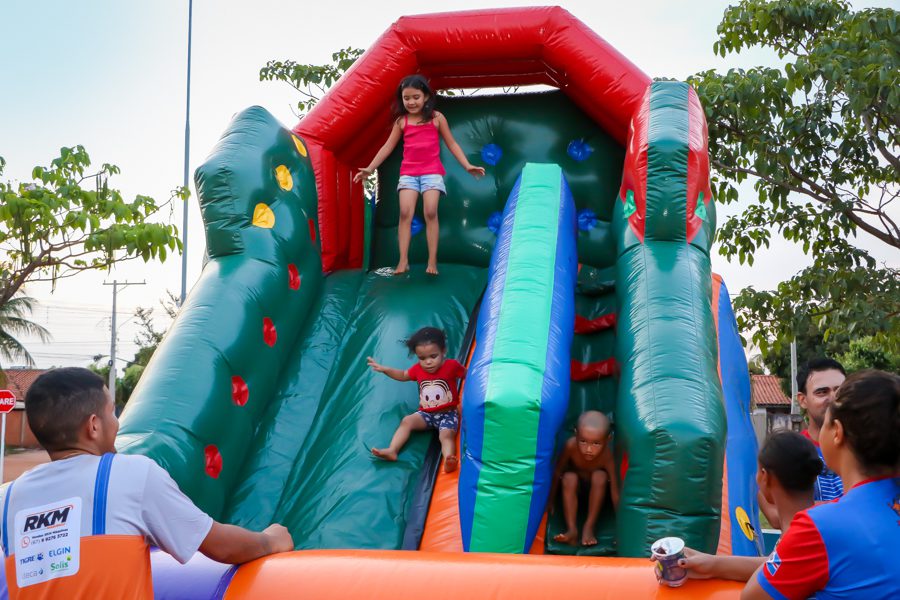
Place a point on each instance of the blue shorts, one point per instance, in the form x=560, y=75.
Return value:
x=422, y=183
x=448, y=419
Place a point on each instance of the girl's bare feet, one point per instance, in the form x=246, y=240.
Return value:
x=568, y=537
x=431, y=269
x=450, y=464
x=401, y=268
x=588, y=538
x=385, y=454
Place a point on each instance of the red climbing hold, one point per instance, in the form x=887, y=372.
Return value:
x=269, y=334
x=312, y=230
x=239, y=391
x=595, y=370
x=213, y=461
x=293, y=277
x=583, y=325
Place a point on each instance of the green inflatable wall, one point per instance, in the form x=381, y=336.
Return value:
x=669, y=409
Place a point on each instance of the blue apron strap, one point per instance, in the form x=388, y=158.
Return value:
x=5, y=518
x=101, y=486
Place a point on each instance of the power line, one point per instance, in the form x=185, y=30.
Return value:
x=112, y=344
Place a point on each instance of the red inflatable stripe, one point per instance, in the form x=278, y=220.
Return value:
x=583, y=325
x=587, y=371
x=634, y=172
x=698, y=164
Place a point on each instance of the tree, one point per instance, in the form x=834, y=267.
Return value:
x=818, y=137
x=311, y=81
x=755, y=365
x=866, y=353
x=811, y=344
x=54, y=228
x=14, y=322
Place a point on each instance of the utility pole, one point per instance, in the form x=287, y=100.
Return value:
x=795, y=408
x=187, y=153
x=112, y=338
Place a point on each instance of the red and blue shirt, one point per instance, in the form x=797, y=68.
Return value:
x=843, y=549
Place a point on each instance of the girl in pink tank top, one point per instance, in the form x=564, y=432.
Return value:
x=421, y=171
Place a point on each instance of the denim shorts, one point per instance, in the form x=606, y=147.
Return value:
x=448, y=419
x=422, y=183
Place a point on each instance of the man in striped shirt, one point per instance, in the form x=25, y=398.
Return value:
x=817, y=383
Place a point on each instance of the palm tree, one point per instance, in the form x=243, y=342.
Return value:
x=13, y=322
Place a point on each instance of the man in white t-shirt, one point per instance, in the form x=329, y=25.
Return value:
x=80, y=526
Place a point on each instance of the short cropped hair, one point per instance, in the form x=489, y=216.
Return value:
x=59, y=402
x=792, y=459
x=868, y=406
x=594, y=419
x=427, y=335
x=814, y=366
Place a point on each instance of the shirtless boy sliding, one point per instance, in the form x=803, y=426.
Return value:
x=586, y=459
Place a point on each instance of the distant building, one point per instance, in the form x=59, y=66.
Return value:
x=771, y=408
x=18, y=433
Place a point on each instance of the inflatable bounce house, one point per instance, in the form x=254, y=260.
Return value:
x=575, y=275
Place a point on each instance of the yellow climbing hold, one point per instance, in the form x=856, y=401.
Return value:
x=744, y=521
x=283, y=176
x=300, y=147
x=263, y=216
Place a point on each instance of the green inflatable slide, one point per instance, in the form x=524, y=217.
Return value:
x=259, y=401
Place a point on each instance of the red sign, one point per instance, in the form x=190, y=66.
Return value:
x=7, y=401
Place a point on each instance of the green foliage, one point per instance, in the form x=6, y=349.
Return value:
x=868, y=353
x=312, y=81
x=833, y=298
x=14, y=322
x=820, y=139
x=54, y=228
x=811, y=344
x=756, y=365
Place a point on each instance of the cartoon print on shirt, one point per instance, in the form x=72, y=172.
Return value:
x=434, y=393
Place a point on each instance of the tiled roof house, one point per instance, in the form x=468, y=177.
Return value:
x=18, y=380
x=766, y=390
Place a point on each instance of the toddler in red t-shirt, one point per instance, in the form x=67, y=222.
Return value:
x=438, y=380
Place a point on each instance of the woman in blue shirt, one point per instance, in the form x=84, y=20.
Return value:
x=847, y=548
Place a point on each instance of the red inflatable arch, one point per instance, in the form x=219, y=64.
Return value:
x=486, y=48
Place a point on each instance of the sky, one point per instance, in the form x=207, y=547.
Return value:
x=110, y=75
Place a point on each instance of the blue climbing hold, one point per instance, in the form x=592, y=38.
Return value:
x=579, y=149
x=494, y=221
x=587, y=219
x=491, y=154
x=416, y=226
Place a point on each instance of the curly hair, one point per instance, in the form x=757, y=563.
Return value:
x=868, y=406
x=427, y=335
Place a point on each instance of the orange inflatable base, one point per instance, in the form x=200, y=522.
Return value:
x=400, y=575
